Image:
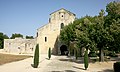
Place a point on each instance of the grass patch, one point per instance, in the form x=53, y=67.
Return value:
x=7, y=58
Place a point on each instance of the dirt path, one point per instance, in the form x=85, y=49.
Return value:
x=56, y=64
x=25, y=65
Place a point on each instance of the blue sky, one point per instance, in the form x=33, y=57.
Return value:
x=26, y=16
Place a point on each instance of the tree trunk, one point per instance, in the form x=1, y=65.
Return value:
x=101, y=54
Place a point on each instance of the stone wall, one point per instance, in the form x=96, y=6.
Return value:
x=19, y=45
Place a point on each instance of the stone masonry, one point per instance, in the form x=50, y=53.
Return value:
x=19, y=45
x=47, y=36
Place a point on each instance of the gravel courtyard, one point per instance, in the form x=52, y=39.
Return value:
x=66, y=64
x=56, y=64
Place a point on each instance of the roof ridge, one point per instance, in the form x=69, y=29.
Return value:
x=63, y=9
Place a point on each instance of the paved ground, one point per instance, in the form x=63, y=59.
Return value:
x=56, y=64
x=66, y=64
x=24, y=65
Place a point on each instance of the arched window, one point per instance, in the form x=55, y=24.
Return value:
x=37, y=34
x=45, y=39
x=62, y=25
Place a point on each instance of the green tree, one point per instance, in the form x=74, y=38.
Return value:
x=82, y=33
x=29, y=37
x=36, y=57
x=96, y=33
x=86, y=61
x=101, y=36
x=2, y=37
x=1, y=40
x=76, y=54
x=67, y=35
x=112, y=21
x=113, y=10
x=16, y=35
x=115, y=31
x=5, y=36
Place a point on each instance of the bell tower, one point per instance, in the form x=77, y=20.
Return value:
x=60, y=18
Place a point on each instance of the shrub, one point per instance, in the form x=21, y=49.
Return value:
x=36, y=57
x=49, y=53
x=92, y=54
x=86, y=60
x=76, y=54
x=71, y=52
x=112, y=54
x=117, y=67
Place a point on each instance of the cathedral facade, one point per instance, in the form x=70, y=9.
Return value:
x=47, y=35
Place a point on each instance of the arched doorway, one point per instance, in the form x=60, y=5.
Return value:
x=64, y=50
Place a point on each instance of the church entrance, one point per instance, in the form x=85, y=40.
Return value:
x=64, y=50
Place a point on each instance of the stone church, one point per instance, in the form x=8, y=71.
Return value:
x=47, y=35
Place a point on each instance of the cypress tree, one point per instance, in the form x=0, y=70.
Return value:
x=36, y=56
x=86, y=59
x=76, y=54
x=49, y=53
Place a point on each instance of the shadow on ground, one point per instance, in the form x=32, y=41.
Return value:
x=64, y=71
x=55, y=71
x=114, y=59
x=32, y=65
x=69, y=71
x=47, y=58
x=79, y=61
x=78, y=68
x=108, y=70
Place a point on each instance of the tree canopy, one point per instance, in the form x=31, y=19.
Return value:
x=2, y=37
x=16, y=35
x=96, y=33
x=29, y=37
